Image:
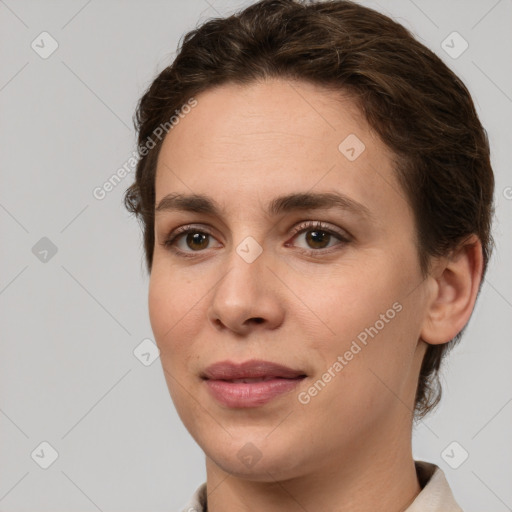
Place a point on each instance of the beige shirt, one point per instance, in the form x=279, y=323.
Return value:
x=435, y=495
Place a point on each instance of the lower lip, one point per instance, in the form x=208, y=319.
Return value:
x=249, y=394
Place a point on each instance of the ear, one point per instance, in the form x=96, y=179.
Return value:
x=455, y=282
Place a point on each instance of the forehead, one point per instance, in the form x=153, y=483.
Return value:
x=266, y=115
x=279, y=135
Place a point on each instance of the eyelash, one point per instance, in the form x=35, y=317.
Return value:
x=170, y=241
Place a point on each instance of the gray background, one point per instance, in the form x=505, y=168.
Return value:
x=70, y=324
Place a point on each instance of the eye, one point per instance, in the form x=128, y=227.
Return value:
x=191, y=240
x=318, y=237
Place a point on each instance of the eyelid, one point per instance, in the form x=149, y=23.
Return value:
x=309, y=225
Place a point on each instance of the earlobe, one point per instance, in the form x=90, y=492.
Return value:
x=457, y=280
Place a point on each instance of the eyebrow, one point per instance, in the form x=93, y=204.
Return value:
x=199, y=203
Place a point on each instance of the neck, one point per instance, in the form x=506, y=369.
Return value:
x=376, y=473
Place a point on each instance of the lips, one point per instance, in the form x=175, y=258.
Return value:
x=249, y=384
x=256, y=379
x=250, y=370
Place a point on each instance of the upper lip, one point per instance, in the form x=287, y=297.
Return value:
x=253, y=369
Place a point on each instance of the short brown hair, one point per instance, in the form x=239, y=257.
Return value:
x=420, y=109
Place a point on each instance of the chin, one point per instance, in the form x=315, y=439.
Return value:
x=257, y=459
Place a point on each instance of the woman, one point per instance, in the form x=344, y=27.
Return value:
x=316, y=195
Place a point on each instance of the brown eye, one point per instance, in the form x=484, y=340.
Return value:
x=187, y=240
x=318, y=239
x=197, y=240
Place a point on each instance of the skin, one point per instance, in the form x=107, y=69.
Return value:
x=349, y=448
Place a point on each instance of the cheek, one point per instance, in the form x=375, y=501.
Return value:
x=348, y=299
x=364, y=311
x=171, y=304
x=173, y=319
x=160, y=305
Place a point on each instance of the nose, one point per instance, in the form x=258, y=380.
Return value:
x=249, y=296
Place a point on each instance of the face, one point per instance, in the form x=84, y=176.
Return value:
x=331, y=290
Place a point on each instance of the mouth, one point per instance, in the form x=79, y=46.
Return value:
x=250, y=370
x=247, y=381
x=249, y=384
